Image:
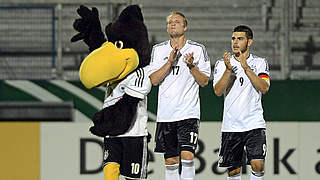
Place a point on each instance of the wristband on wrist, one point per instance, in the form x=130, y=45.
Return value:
x=190, y=66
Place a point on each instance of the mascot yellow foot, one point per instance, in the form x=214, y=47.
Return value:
x=111, y=171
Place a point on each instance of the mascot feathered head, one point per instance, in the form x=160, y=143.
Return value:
x=126, y=49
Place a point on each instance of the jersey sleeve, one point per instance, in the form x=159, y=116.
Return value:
x=218, y=71
x=263, y=71
x=204, y=62
x=139, y=84
x=154, y=62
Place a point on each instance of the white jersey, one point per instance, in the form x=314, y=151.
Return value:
x=242, y=104
x=138, y=85
x=178, y=96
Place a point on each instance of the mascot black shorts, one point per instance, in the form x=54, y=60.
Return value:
x=130, y=152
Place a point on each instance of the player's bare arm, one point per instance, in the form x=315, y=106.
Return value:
x=173, y=55
x=257, y=82
x=223, y=82
x=160, y=74
x=200, y=77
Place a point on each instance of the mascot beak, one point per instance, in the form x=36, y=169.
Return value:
x=107, y=64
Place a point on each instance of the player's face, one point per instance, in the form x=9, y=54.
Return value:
x=240, y=42
x=176, y=26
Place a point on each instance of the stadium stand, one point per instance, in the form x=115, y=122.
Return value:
x=211, y=23
x=31, y=35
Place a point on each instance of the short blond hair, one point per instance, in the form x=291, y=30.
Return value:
x=185, y=22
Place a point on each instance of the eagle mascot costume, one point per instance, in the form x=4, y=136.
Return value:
x=118, y=61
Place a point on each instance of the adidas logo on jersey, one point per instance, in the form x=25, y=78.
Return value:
x=234, y=70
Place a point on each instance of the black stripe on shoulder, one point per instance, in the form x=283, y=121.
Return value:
x=137, y=79
x=161, y=44
x=267, y=65
x=217, y=62
x=255, y=56
x=205, y=53
x=196, y=44
x=262, y=59
x=140, y=76
x=215, y=69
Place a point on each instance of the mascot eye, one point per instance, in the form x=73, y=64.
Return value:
x=119, y=44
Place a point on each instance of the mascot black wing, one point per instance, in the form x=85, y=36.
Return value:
x=89, y=28
x=112, y=62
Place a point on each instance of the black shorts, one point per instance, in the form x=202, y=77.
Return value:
x=173, y=137
x=233, y=145
x=130, y=152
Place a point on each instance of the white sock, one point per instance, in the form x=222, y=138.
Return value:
x=172, y=172
x=256, y=176
x=235, y=177
x=188, y=170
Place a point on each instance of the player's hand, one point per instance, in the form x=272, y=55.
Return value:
x=243, y=61
x=226, y=59
x=173, y=55
x=189, y=60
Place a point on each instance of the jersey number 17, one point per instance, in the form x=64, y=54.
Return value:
x=175, y=70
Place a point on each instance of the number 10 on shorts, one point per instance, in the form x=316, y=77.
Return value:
x=135, y=168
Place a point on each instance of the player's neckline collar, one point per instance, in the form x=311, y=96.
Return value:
x=248, y=59
x=183, y=47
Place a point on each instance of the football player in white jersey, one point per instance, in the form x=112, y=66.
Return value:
x=242, y=78
x=178, y=66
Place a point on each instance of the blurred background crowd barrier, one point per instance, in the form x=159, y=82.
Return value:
x=35, y=34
